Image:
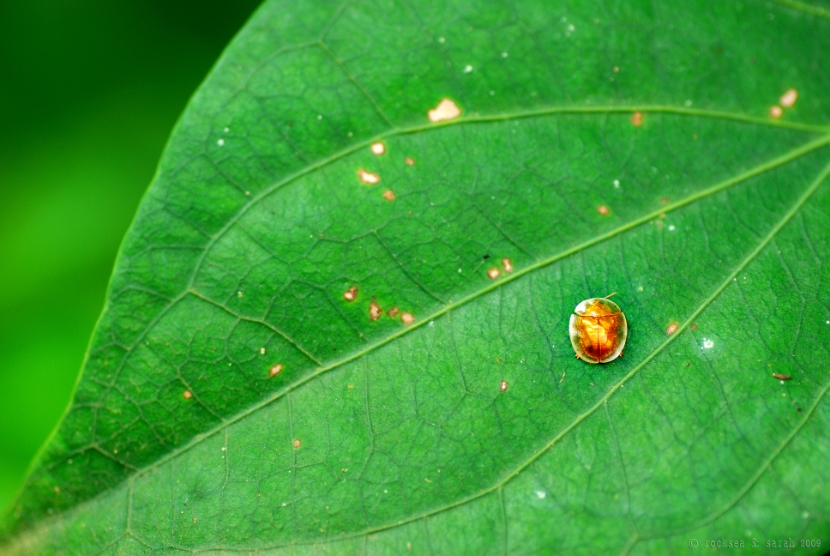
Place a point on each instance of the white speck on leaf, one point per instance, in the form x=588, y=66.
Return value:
x=432, y=324
x=708, y=344
x=687, y=103
x=319, y=116
x=441, y=40
x=616, y=184
x=776, y=111
x=468, y=69
x=540, y=494
x=221, y=142
x=672, y=228
x=504, y=54
x=378, y=148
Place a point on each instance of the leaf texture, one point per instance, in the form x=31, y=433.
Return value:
x=254, y=384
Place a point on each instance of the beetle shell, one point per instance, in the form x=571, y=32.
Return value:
x=598, y=330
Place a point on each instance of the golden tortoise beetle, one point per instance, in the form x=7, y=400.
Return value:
x=598, y=330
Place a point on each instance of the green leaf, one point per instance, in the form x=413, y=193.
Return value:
x=602, y=147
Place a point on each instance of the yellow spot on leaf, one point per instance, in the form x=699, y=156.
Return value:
x=493, y=273
x=789, y=98
x=446, y=110
x=407, y=318
x=775, y=111
x=389, y=195
x=367, y=177
x=350, y=294
x=275, y=370
x=375, y=311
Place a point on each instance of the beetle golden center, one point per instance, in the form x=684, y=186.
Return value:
x=598, y=330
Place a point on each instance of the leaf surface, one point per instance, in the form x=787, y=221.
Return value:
x=236, y=398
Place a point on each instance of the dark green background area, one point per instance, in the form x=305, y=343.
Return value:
x=89, y=91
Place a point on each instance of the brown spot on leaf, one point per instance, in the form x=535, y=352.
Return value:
x=350, y=294
x=672, y=328
x=275, y=370
x=367, y=177
x=603, y=210
x=664, y=200
x=781, y=377
x=409, y=161
x=637, y=119
x=57, y=490
x=407, y=318
x=507, y=264
x=789, y=98
x=194, y=520
x=446, y=110
x=493, y=273
x=378, y=148
x=694, y=326
x=776, y=111
x=393, y=312
x=389, y=195
x=503, y=386
x=375, y=311
x=296, y=443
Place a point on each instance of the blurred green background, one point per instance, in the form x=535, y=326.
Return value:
x=89, y=92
